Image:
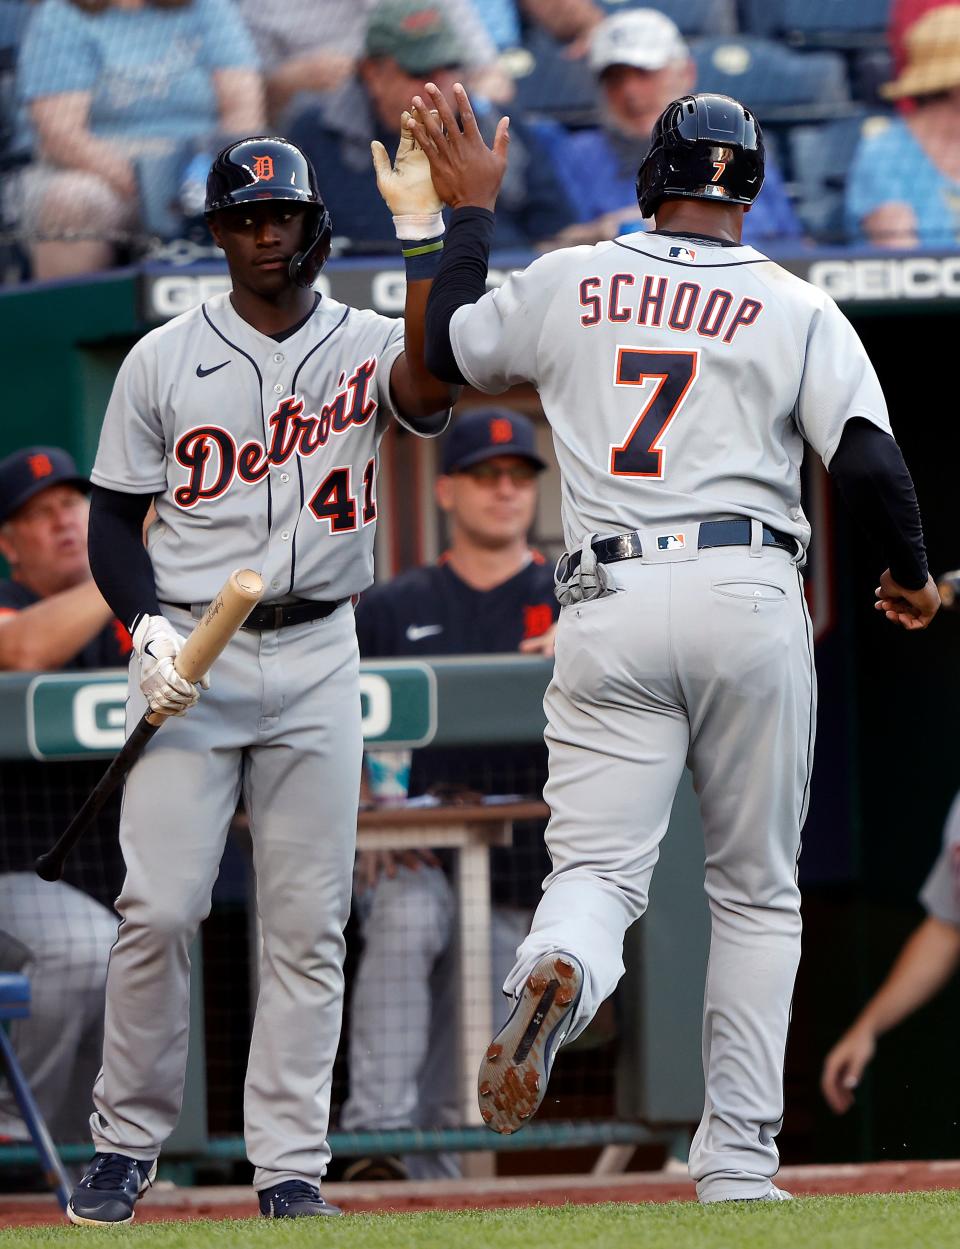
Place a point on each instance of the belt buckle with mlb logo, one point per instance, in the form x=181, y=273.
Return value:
x=671, y=542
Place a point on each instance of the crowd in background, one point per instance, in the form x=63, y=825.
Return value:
x=111, y=110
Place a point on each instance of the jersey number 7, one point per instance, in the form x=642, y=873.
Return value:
x=672, y=374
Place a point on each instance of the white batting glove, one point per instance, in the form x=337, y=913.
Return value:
x=407, y=187
x=157, y=645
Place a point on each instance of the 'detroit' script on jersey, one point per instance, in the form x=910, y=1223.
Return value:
x=260, y=453
x=680, y=378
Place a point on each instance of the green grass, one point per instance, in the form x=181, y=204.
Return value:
x=889, y=1221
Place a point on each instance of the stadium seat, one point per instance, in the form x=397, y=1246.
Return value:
x=871, y=68
x=693, y=17
x=823, y=23
x=777, y=83
x=820, y=157
x=15, y=1004
x=549, y=82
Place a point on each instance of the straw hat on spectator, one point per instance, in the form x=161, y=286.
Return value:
x=932, y=47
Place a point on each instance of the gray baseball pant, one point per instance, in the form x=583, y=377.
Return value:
x=281, y=724
x=703, y=658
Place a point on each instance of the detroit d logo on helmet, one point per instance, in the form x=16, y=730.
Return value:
x=263, y=168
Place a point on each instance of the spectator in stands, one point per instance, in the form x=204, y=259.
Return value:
x=903, y=14
x=641, y=63
x=110, y=87
x=51, y=616
x=308, y=47
x=408, y=43
x=904, y=184
x=929, y=957
x=489, y=593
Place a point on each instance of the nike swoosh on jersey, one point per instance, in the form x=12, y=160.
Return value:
x=202, y=372
x=416, y=632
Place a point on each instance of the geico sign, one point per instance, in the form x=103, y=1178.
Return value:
x=388, y=290
x=169, y=296
x=99, y=714
x=901, y=277
x=376, y=704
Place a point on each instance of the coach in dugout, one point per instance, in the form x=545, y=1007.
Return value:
x=59, y=935
x=489, y=593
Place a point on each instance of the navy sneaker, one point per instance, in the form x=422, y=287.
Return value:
x=516, y=1067
x=294, y=1199
x=111, y=1186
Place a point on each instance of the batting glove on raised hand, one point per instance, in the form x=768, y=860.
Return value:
x=157, y=644
x=407, y=187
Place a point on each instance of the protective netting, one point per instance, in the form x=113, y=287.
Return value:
x=111, y=112
x=402, y=1062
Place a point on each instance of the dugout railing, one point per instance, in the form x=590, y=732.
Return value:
x=638, y=1079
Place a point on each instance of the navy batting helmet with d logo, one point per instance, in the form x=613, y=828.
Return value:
x=703, y=147
x=270, y=168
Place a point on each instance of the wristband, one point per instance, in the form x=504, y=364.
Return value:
x=422, y=259
x=418, y=227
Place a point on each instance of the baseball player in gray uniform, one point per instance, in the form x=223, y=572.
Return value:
x=253, y=424
x=682, y=373
x=929, y=957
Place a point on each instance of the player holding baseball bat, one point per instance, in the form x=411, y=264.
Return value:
x=253, y=423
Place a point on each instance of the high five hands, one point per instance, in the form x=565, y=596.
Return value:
x=466, y=173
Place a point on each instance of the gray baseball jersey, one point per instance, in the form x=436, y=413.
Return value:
x=680, y=379
x=940, y=894
x=273, y=443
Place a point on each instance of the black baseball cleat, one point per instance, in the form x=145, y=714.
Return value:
x=111, y=1186
x=294, y=1199
x=516, y=1067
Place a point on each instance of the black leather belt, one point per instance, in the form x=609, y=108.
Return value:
x=281, y=615
x=712, y=533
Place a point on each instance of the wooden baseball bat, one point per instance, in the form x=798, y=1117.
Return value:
x=224, y=616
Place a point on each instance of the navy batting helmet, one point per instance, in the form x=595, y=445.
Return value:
x=266, y=167
x=702, y=147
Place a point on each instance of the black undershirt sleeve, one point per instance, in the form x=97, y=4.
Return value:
x=461, y=279
x=118, y=559
x=876, y=486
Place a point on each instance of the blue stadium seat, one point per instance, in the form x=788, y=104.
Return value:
x=693, y=17
x=548, y=82
x=776, y=82
x=15, y=1004
x=13, y=21
x=825, y=23
x=820, y=157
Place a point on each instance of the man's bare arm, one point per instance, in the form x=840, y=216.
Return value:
x=48, y=634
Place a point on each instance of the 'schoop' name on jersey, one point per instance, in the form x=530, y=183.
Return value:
x=657, y=301
x=213, y=459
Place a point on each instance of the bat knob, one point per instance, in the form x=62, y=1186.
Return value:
x=47, y=867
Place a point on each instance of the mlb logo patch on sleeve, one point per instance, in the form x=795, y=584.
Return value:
x=682, y=253
x=671, y=542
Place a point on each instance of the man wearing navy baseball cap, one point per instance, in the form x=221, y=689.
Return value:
x=489, y=593
x=486, y=434
x=51, y=616
x=51, y=613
